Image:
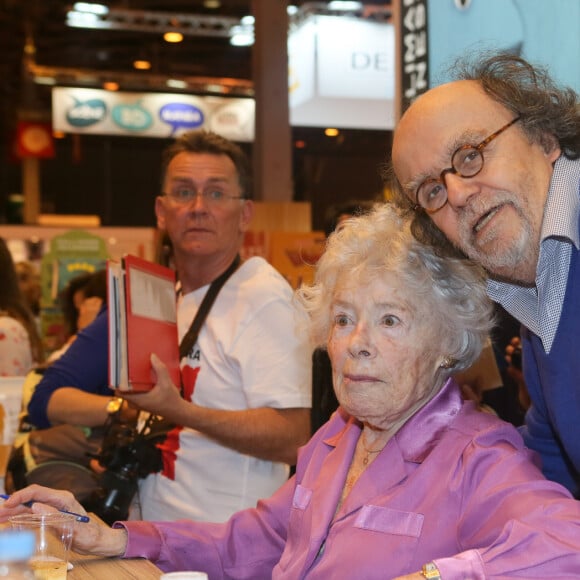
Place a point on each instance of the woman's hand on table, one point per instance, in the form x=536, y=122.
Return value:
x=93, y=537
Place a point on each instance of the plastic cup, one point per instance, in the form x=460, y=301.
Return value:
x=53, y=533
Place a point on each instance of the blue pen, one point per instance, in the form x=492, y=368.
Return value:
x=78, y=517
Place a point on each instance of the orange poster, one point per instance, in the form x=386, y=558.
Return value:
x=294, y=255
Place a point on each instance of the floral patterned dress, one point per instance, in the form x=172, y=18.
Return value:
x=15, y=351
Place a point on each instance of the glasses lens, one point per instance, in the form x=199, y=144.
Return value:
x=182, y=195
x=210, y=196
x=467, y=161
x=432, y=194
x=214, y=196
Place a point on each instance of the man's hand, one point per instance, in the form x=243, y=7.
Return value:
x=163, y=399
x=264, y=432
x=513, y=356
x=512, y=351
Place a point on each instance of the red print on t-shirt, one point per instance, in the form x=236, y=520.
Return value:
x=170, y=446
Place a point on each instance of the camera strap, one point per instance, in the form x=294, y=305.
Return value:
x=190, y=338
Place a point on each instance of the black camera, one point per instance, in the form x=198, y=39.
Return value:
x=128, y=453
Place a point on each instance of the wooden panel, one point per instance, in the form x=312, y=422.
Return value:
x=282, y=217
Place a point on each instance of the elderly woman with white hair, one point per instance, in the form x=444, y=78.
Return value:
x=406, y=480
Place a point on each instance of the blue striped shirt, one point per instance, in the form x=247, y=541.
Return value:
x=539, y=308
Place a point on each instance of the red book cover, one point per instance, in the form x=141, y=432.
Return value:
x=142, y=320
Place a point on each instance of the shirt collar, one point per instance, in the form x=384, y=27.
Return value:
x=561, y=215
x=424, y=429
x=539, y=308
x=562, y=211
x=417, y=437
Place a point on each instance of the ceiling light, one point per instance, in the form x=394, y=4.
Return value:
x=89, y=7
x=111, y=86
x=142, y=64
x=242, y=40
x=176, y=84
x=346, y=5
x=81, y=19
x=241, y=36
x=39, y=80
x=173, y=37
x=212, y=4
x=331, y=132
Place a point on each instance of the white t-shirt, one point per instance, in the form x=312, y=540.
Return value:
x=248, y=355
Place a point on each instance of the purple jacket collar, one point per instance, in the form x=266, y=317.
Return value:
x=420, y=433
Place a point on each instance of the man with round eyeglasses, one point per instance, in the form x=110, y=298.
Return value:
x=490, y=165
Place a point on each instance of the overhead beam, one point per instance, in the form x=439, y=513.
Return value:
x=153, y=21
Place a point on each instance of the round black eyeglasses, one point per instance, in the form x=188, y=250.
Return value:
x=466, y=161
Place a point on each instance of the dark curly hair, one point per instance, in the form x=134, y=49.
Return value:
x=202, y=141
x=547, y=111
x=529, y=91
x=91, y=284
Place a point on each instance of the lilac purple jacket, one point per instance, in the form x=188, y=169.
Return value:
x=454, y=485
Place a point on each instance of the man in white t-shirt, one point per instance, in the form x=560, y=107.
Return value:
x=247, y=379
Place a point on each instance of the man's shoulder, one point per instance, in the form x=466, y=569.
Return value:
x=257, y=266
x=257, y=277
